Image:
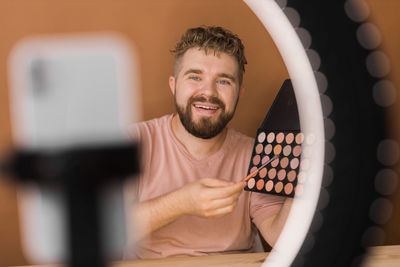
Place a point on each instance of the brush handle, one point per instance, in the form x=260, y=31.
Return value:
x=250, y=175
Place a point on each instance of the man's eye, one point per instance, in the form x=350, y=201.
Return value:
x=224, y=82
x=195, y=78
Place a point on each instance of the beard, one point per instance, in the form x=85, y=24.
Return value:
x=205, y=128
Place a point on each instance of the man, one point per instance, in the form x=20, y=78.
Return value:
x=190, y=192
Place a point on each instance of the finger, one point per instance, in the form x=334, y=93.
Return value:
x=221, y=211
x=213, y=182
x=216, y=204
x=222, y=192
x=229, y=190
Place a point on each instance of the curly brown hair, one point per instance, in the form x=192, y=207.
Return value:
x=213, y=38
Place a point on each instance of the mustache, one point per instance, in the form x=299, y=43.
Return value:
x=211, y=99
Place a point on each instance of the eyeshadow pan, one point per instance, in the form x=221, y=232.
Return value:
x=294, y=163
x=259, y=148
x=263, y=172
x=279, y=137
x=301, y=177
x=269, y=185
x=305, y=164
x=299, y=190
x=278, y=187
x=311, y=139
x=281, y=174
x=289, y=138
x=299, y=138
x=286, y=150
x=272, y=173
x=288, y=188
x=256, y=159
x=284, y=162
x=268, y=149
x=260, y=184
x=253, y=169
x=270, y=137
x=264, y=159
x=277, y=149
x=306, y=152
x=291, y=175
x=261, y=137
x=296, y=151
x=275, y=163
x=251, y=183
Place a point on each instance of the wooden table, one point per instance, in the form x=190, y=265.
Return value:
x=232, y=260
x=382, y=256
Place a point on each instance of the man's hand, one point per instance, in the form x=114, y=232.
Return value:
x=210, y=198
x=207, y=198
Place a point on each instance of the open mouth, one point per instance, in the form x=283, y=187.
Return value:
x=206, y=107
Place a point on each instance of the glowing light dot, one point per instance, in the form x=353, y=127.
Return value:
x=373, y=236
x=378, y=64
x=327, y=105
x=281, y=3
x=293, y=16
x=386, y=182
x=314, y=58
x=388, y=152
x=357, y=10
x=384, y=93
x=305, y=37
x=329, y=127
x=381, y=210
x=330, y=152
x=327, y=177
x=322, y=82
x=368, y=36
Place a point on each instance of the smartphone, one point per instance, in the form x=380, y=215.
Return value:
x=67, y=91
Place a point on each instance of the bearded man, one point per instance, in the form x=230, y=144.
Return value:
x=189, y=199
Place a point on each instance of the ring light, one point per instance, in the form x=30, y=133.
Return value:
x=311, y=121
x=335, y=73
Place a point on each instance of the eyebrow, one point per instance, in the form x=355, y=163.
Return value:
x=222, y=75
x=196, y=71
x=228, y=76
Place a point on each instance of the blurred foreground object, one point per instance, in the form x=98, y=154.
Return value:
x=72, y=97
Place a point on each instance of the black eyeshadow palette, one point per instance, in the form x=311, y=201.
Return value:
x=279, y=136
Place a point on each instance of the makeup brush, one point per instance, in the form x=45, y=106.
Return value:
x=262, y=166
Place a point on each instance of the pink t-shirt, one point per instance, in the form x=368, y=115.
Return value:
x=167, y=165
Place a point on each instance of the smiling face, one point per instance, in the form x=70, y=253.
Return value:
x=206, y=90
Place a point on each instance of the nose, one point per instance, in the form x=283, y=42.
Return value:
x=209, y=88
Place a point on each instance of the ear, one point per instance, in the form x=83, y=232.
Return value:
x=171, y=82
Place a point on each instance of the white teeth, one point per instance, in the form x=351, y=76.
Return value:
x=205, y=107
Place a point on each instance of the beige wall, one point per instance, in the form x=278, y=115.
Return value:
x=384, y=13
x=153, y=27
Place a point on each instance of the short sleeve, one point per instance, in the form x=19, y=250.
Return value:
x=131, y=185
x=263, y=206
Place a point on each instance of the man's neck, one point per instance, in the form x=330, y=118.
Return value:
x=199, y=148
